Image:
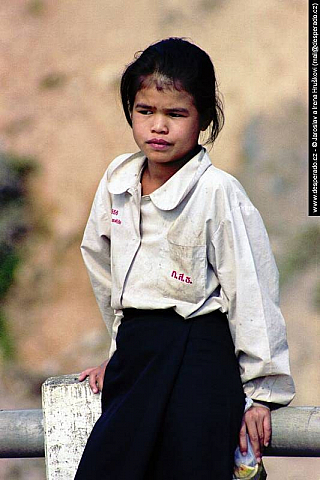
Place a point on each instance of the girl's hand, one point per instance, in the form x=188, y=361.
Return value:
x=96, y=376
x=257, y=423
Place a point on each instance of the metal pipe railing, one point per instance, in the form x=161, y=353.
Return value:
x=295, y=433
x=21, y=433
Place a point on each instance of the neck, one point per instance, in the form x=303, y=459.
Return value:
x=155, y=174
x=163, y=171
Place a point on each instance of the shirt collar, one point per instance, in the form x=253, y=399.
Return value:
x=126, y=177
x=174, y=190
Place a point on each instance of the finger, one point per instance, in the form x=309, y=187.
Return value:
x=260, y=430
x=267, y=429
x=93, y=382
x=243, y=444
x=84, y=374
x=251, y=420
x=264, y=433
x=100, y=382
x=254, y=439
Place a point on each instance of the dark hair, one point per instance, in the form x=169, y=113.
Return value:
x=175, y=62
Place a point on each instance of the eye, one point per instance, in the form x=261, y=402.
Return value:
x=175, y=115
x=145, y=112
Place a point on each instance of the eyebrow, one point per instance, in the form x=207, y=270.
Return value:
x=173, y=110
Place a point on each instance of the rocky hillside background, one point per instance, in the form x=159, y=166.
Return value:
x=60, y=112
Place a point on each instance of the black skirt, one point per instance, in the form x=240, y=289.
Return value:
x=172, y=401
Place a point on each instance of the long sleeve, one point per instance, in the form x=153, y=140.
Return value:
x=248, y=277
x=95, y=250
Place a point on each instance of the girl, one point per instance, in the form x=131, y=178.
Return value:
x=182, y=270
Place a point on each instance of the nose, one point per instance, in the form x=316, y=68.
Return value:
x=159, y=124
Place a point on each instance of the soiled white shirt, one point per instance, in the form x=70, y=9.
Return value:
x=195, y=244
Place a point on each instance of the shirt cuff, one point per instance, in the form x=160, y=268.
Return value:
x=256, y=403
x=270, y=405
x=248, y=404
x=260, y=404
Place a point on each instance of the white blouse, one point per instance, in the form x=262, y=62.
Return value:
x=195, y=244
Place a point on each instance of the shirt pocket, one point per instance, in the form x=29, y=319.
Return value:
x=182, y=272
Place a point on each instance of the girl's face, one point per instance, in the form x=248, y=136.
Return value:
x=165, y=123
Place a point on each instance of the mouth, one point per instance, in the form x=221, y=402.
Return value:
x=158, y=143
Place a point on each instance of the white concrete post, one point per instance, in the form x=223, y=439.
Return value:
x=70, y=410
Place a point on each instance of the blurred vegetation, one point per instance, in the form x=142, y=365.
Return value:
x=209, y=5
x=15, y=127
x=303, y=251
x=274, y=169
x=316, y=296
x=35, y=7
x=14, y=226
x=274, y=152
x=53, y=80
